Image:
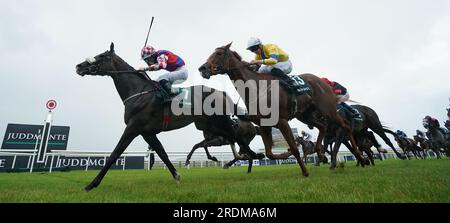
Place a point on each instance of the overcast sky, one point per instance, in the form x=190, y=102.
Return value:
x=392, y=55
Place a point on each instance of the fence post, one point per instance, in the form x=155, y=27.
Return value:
x=32, y=162
x=51, y=164
x=14, y=162
x=124, y=162
x=87, y=164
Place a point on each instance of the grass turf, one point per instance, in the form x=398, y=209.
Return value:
x=388, y=181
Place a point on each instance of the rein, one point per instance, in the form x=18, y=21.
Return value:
x=95, y=68
x=137, y=95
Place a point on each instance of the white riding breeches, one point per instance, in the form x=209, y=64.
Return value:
x=343, y=98
x=285, y=66
x=175, y=77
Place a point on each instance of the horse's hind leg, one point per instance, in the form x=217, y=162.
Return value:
x=127, y=137
x=250, y=165
x=196, y=146
x=153, y=141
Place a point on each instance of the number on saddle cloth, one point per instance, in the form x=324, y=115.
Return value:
x=183, y=94
x=300, y=85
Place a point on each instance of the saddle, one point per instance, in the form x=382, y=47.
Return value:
x=300, y=87
x=357, y=124
x=181, y=94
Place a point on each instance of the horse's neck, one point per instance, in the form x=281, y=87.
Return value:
x=128, y=84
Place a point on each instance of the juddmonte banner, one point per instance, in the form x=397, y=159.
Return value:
x=18, y=136
x=9, y=163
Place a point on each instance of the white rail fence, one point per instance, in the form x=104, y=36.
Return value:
x=178, y=159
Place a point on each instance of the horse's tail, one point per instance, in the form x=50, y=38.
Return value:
x=352, y=101
x=386, y=130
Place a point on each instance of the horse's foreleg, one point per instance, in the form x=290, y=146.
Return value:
x=127, y=137
x=356, y=151
x=154, y=142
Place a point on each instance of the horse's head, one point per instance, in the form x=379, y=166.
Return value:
x=98, y=65
x=218, y=63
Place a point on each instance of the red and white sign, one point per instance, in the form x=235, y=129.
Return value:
x=51, y=104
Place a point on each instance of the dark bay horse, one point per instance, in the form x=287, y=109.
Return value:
x=146, y=116
x=438, y=137
x=425, y=145
x=311, y=109
x=370, y=120
x=409, y=145
x=246, y=131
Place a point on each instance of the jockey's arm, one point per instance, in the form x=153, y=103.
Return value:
x=161, y=63
x=273, y=56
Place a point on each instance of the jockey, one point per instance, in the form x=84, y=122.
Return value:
x=164, y=59
x=420, y=133
x=429, y=121
x=342, y=96
x=401, y=134
x=306, y=136
x=272, y=59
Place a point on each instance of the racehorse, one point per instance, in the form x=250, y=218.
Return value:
x=310, y=108
x=146, y=116
x=438, y=138
x=246, y=131
x=425, y=145
x=408, y=145
x=307, y=147
x=370, y=120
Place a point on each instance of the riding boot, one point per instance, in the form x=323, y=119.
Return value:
x=167, y=90
x=288, y=84
x=285, y=80
x=356, y=114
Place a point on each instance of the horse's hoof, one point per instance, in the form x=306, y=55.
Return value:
x=260, y=156
x=177, y=179
x=306, y=174
x=226, y=167
x=90, y=187
x=187, y=163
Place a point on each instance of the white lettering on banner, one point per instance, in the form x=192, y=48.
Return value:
x=120, y=162
x=2, y=163
x=31, y=136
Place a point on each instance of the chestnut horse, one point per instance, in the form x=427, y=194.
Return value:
x=311, y=109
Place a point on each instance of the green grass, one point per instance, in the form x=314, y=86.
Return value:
x=388, y=181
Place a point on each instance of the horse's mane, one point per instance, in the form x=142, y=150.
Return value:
x=126, y=66
x=240, y=59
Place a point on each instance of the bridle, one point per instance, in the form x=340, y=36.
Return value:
x=223, y=69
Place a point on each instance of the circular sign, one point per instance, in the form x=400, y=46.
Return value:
x=51, y=104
